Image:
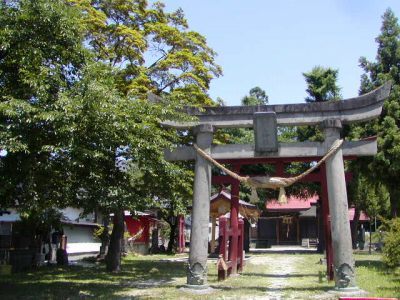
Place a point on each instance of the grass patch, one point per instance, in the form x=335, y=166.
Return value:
x=157, y=276
x=374, y=277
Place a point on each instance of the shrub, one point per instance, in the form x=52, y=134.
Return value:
x=391, y=249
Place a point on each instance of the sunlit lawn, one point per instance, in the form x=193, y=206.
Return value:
x=154, y=277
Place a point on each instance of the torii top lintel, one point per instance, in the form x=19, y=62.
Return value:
x=357, y=109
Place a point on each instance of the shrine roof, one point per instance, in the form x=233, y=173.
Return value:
x=220, y=204
x=227, y=195
x=294, y=203
x=302, y=204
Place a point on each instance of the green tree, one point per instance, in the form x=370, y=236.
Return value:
x=391, y=251
x=386, y=164
x=116, y=151
x=41, y=54
x=322, y=84
x=366, y=195
x=149, y=50
x=257, y=96
x=152, y=50
x=83, y=133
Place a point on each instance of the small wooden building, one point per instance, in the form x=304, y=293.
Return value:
x=220, y=205
x=290, y=222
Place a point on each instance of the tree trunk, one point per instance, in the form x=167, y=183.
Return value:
x=354, y=227
x=172, y=236
x=394, y=204
x=394, y=207
x=113, y=258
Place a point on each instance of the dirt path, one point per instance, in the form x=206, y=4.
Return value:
x=278, y=272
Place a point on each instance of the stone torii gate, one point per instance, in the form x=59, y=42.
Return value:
x=264, y=119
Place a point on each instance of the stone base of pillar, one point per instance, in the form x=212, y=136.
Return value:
x=198, y=290
x=348, y=292
x=197, y=276
x=195, y=287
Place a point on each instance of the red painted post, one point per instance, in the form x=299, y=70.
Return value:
x=326, y=224
x=279, y=169
x=234, y=222
x=223, y=236
x=181, y=234
x=183, y=240
x=240, y=246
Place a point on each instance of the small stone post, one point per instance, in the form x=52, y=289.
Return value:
x=340, y=225
x=197, y=268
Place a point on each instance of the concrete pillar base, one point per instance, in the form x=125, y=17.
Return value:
x=197, y=276
x=196, y=287
x=348, y=292
x=198, y=290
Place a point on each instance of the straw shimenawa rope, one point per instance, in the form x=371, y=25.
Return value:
x=267, y=182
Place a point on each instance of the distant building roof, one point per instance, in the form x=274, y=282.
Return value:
x=305, y=206
x=294, y=203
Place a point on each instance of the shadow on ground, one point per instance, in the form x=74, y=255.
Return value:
x=76, y=282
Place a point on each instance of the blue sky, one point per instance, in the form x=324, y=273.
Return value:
x=271, y=43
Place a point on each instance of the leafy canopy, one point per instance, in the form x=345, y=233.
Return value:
x=41, y=53
x=152, y=50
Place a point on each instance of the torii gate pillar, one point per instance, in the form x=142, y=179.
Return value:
x=340, y=225
x=197, y=268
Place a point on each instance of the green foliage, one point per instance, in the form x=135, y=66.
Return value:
x=386, y=164
x=366, y=193
x=322, y=84
x=74, y=115
x=102, y=233
x=391, y=249
x=116, y=145
x=151, y=49
x=257, y=96
x=41, y=53
x=66, y=121
x=36, y=225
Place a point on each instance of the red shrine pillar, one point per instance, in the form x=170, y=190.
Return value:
x=326, y=223
x=181, y=234
x=233, y=246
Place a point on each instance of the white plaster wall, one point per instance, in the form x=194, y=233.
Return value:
x=80, y=239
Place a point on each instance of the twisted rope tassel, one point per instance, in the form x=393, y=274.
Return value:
x=266, y=182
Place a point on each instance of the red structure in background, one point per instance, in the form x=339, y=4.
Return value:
x=227, y=262
x=181, y=234
x=140, y=226
x=319, y=177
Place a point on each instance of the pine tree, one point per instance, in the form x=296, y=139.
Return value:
x=322, y=84
x=385, y=166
